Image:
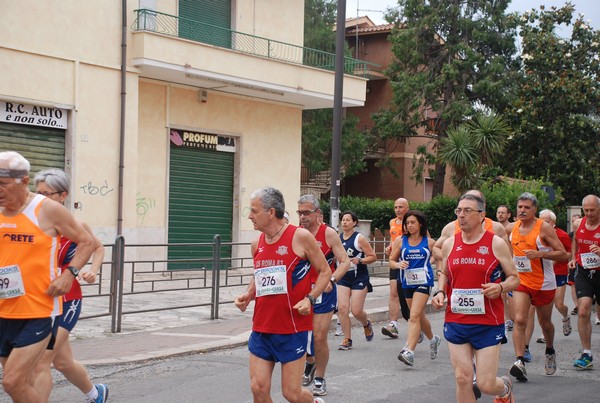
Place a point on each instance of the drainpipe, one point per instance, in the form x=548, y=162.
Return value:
x=122, y=127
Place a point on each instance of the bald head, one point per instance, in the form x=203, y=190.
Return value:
x=591, y=209
x=591, y=199
x=400, y=207
x=477, y=193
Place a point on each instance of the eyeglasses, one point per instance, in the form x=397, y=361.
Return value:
x=305, y=212
x=466, y=210
x=48, y=194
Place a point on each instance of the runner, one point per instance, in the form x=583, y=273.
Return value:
x=353, y=287
x=397, y=301
x=331, y=246
x=561, y=272
x=534, y=244
x=470, y=275
x=283, y=256
x=571, y=278
x=453, y=228
x=586, y=260
x=30, y=230
x=412, y=257
x=503, y=215
x=54, y=184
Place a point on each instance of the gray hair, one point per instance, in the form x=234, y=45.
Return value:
x=16, y=162
x=528, y=196
x=270, y=198
x=550, y=214
x=309, y=198
x=55, y=178
x=477, y=199
x=593, y=197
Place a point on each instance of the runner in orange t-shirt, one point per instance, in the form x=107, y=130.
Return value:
x=534, y=244
x=30, y=230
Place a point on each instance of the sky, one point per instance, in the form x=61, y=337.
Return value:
x=375, y=8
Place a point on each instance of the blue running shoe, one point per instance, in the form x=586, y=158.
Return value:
x=368, y=328
x=585, y=362
x=527, y=356
x=102, y=393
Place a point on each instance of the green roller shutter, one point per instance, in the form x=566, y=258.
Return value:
x=200, y=203
x=194, y=14
x=43, y=147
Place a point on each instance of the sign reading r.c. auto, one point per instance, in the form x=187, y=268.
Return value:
x=24, y=114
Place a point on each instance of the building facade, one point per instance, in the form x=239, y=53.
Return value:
x=370, y=42
x=166, y=114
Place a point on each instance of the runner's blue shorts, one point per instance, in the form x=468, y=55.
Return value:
x=328, y=302
x=278, y=347
x=355, y=279
x=17, y=333
x=422, y=289
x=70, y=315
x=560, y=279
x=479, y=336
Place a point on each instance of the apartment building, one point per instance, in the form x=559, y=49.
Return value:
x=166, y=114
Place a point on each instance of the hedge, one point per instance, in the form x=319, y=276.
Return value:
x=440, y=210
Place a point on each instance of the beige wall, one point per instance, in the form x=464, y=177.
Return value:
x=269, y=19
x=269, y=137
x=67, y=54
x=54, y=28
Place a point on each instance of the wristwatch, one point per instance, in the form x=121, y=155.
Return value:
x=360, y=260
x=332, y=279
x=74, y=270
x=311, y=299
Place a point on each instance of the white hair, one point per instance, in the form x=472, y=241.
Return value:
x=550, y=214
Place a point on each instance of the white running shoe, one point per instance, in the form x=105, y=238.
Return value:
x=433, y=346
x=338, y=329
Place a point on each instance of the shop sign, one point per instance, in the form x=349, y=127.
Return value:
x=24, y=114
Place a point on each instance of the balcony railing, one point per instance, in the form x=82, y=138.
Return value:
x=154, y=21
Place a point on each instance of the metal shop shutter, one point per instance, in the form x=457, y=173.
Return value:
x=217, y=13
x=200, y=203
x=43, y=147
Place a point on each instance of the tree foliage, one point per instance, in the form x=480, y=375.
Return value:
x=471, y=148
x=555, y=105
x=449, y=57
x=317, y=131
x=317, y=125
x=319, y=18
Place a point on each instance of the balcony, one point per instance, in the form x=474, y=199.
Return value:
x=179, y=50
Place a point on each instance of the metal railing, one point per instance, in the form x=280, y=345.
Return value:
x=166, y=24
x=140, y=269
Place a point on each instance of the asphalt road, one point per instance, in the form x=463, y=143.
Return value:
x=370, y=372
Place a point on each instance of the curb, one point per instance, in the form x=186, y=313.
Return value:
x=376, y=315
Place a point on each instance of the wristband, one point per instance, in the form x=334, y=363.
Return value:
x=437, y=292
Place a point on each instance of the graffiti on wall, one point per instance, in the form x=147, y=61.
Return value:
x=92, y=189
x=143, y=204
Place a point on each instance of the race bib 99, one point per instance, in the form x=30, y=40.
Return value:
x=11, y=282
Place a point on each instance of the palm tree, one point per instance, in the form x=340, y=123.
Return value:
x=472, y=146
x=490, y=134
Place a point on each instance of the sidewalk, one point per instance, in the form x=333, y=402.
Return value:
x=169, y=334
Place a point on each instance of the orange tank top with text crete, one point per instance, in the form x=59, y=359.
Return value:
x=25, y=246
